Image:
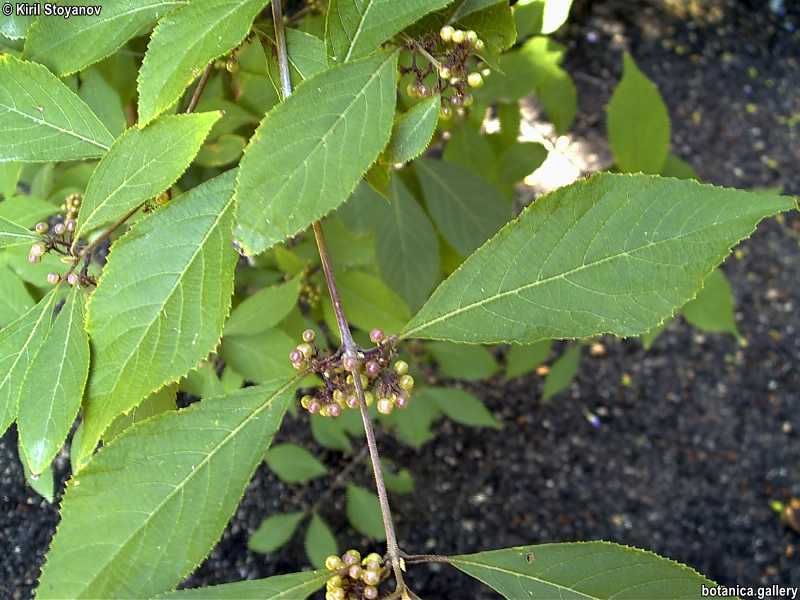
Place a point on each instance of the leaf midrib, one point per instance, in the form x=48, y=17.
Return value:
x=563, y=275
x=182, y=484
x=39, y=121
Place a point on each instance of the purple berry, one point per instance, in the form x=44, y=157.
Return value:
x=372, y=368
x=349, y=363
x=376, y=336
x=59, y=229
x=334, y=410
x=296, y=356
x=314, y=407
x=401, y=401
x=73, y=279
x=53, y=278
x=309, y=335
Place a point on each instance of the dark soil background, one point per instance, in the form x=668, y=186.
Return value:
x=690, y=454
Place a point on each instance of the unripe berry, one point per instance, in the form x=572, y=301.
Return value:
x=333, y=563
x=355, y=572
x=444, y=72
x=407, y=382
x=372, y=368
x=334, y=410
x=334, y=582
x=73, y=279
x=349, y=363
x=336, y=594
x=468, y=100
x=59, y=228
x=411, y=90
x=33, y=259
x=352, y=557
x=38, y=249
x=475, y=80
x=309, y=335
x=370, y=592
x=323, y=411
x=352, y=401
x=422, y=90
x=376, y=336
x=53, y=278
x=306, y=349
x=471, y=37
x=458, y=36
x=445, y=113
x=371, y=578
x=314, y=408
x=295, y=356
x=372, y=557
x=306, y=401
x=70, y=225
x=486, y=72
x=479, y=46
x=446, y=33
x=339, y=397
x=401, y=401
x=369, y=398
x=41, y=228
x=401, y=367
x=385, y=406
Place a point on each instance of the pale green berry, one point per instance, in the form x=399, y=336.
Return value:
x=309, y=335
x=445, y=113
x=411, y=90
x=479, y=46
x=351, y=557
x=371, y=577
x=334, y=582
x=306, y=350
x=370, y=592
x=401, y=367
x=333, y=563
x=475, y=80
x=446, y=33
x=407, y=382
x=458, y=36
x=339, y=397
x=369, y=398
x=471, y=37
x=306, y=401
x=355, y=572
x=385, y=406
x=444, y=72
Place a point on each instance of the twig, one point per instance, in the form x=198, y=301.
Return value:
x=198, y=90
x=412, y=559
x=428, y=56
x=349, y=346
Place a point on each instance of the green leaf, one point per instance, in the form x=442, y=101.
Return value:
x=638, y=123
x=529, y=17
x=613, y=254
x=472, y=151
x=69, y=45
x=52, y=387
x=340, y=121
x=357, y=27
x=12, y=234
x=259, y=357
x=9, y=177
x=171, y=63
x=320, y=542
x=494, y=24
x=161, y=302
x=15, y=27
x=460, y=361
x=369, y=303
x=104, y=100
x=202, y=382
x=400, y=482
x=413, y=425
x=364, y=512
x=590, y=570
x=264, y=309
x=159, y=496
x=648, y=338
x=157, y=403
x=520, y=160
x=562, y=372
x=15, y=300
x=19, y=343
x=467, y=7
x=280, y=587
x=330, y=433
x=413, y=131
x=26, y=210
x=274, y=532
x=222, y=151
x=677, y=167
x=524, y=359
x=555, y=15
x=466, y=208
x=407, y=247
x=713, y=308
x=42, y=120
x=461, y=406
x=43, y=484
x=141, y=164
x=294, y=464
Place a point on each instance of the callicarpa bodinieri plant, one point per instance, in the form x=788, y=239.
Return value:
x=256, y=209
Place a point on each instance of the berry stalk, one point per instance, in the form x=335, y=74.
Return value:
x=350, y=349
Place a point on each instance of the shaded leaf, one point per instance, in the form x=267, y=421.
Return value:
x=19, y=343
x=52, y=387
x=161, y=302
x=26, y=210
x=524, y=359
x=294, y=464
x=713, y=308
x=520, y=160
x=307, y=57
x=613, y=254
x=638, y=123
x=562, y=373
x=461, y=406
x=364, y=512
x=202, y=382
x=15, y=27
x=677, y=167
x=591, y=570
x=9, y=177
x=274, y=532
x=279, y=587
x=413, y=131
x=466, y=209
x=397, y=481
x=164, y=488
x=462, y=361
x=12, y=234
x=42, y=120
x=164, y=400
x=413, y=425
x=15, y=300
x=141, y=164
x=407, y=247
x=330, y=433
x=171, y=64
x=357, y=27
x=103, y=100
x=345, y=116
x=259, y=357
x=69, y=45
x=264, y=309
x=43, y=484
x=319, y=542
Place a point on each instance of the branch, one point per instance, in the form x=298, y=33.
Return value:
x=349, y=346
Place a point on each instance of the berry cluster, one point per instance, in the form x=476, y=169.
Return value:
x=354, y=579
x=389, y=383
x=59, y=238
x=458, y=68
